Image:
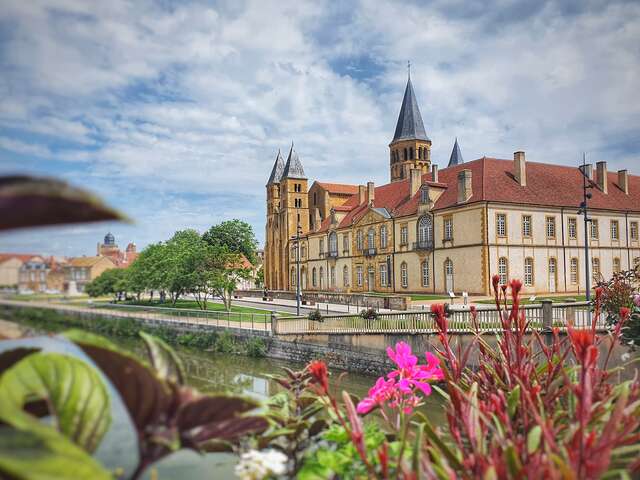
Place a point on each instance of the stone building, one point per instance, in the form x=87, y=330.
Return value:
x=109, y=248
x=445, y=230
x=81, y=270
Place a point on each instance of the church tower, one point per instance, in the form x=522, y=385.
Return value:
x=410, y=147
x=272, y=248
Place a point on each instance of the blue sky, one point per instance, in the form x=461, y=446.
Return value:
x=173, y=111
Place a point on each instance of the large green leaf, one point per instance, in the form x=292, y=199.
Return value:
x=41, y=453
x=33, y=201
x=165, y=361
x=146, y=396
x=72, y=391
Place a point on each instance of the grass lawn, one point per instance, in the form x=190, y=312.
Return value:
x=192, y=304
x=526, y=301
x=420, y=296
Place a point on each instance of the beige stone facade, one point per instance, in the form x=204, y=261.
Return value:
x=435, y=231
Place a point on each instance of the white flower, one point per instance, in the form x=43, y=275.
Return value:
x=625, y=356
x=255, y=465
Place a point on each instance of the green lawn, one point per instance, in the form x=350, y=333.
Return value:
x=420, y=296
x=192, y=304
x=526, y=301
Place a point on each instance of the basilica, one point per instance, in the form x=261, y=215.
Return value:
x=441, y=230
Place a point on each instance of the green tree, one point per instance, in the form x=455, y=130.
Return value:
x=110, y=282
x=234, y=235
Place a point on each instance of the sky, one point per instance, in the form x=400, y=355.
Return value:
x=173, y=112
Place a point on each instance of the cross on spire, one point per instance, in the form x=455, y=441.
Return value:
x=409, y=68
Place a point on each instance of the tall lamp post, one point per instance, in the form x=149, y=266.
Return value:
x=584, y=210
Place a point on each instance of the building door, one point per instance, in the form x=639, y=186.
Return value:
x=371, y=278
x=552, y=275
x=448, y=275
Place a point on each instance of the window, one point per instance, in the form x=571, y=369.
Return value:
x=573, y=271
x=633, y=230
x=404, y=275
x=595, y=230
x=502, y=270
x=411, y=153
x=595, y=269
x=383, y=237
x=333, y=276
x=501, y=224
x=528, y=272
x=448, y=228
x=616, y=265
x=615, y=230
x=303, y=251
x=345, y=276
x=359, y=240
x=406, y=154
x=404, y=235
x=321, y=277
x=526, y=226
x=424, y=230
x=333, y=243
x=345, y=243
x=573, y=228
x=371, y=238
x=424, y=268
x=321, y=247
x=314, y=277
x=551, y=227
x=359, y=275
x=293, y=277
x=383, y=274
x=424, y=194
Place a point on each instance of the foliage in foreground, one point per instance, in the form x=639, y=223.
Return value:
x=167, y=415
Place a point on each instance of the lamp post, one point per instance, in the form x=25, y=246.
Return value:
x=298, y=291
x=584, y=207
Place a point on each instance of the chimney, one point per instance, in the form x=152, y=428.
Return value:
x=601, y=169
x=371, y=192
x=520, y=168
x=334, y=219
x=434, y=173
x=623, y=181
x=316, y=219
x=587, y=171
x=465, y=190
x=415, y=180
x=362, y=195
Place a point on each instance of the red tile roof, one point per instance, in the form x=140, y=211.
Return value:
x=493, y=181
x=23, y=257
x=339, y=188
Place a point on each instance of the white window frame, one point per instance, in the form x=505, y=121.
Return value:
x=527, y=221
x=424, y=270
x=383, y=275
x=404, y=275
x=550, y=227
x=503, y=270
x=501, y=224
x=528, y=271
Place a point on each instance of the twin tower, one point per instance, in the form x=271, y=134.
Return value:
x=287, y=187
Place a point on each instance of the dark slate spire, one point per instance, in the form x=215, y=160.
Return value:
x=276, y=171
x=293, y=167
x=456, y=155
x=409, y=126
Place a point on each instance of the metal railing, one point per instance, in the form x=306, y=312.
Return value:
x=423, y=245
x=540, y=317
x=369, y=252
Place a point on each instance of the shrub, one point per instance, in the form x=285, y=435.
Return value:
x=255, y=347
x=225, y=343
x=369, y=313
x=315, y=316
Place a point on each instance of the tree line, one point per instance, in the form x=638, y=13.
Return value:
x=205, y=266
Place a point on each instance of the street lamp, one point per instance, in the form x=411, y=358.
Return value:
x=584, y=207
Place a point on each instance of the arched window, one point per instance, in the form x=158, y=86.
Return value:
x=371, y=238
x=404, y=275
x=303, y=278
x=502, y=270
x=345, y=276
x=333, y=243
x=411, y=153
x=448, y=275
x=345, y=243
x=359, y=240
x=293, y=277
x=425, y=231
x=574, y=271
x=383, y=274
x=383, y=237
x=616, y=265
x=420, y=153
x=314, y=277
x=553, y=274
x=528, y=272
x=595, y=269
x=321, y=277
x=424, y=194
x=333, y=276
x=424, y=268
x=406, y=154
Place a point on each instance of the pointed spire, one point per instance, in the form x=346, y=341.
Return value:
x=456, y=155
x=409, y=126
x=276, y=171
x=293, y=167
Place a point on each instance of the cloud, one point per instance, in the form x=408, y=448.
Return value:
x=174, y=112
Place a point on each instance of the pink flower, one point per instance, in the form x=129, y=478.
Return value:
x=403, y=386
x=636, y=300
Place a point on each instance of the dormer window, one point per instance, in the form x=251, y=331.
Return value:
x=424, y=194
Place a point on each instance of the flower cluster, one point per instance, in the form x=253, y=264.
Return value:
x=257, y=465
x=402, y=387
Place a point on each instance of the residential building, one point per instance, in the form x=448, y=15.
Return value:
x=81, y=270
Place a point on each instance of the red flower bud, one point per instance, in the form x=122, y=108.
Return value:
x=624, y=313
x=319, y=373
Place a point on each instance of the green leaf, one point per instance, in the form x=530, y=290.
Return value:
x=73, y=391
x=165, y=361
x=41, y=453
x=512, y=400
x=533, y=439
